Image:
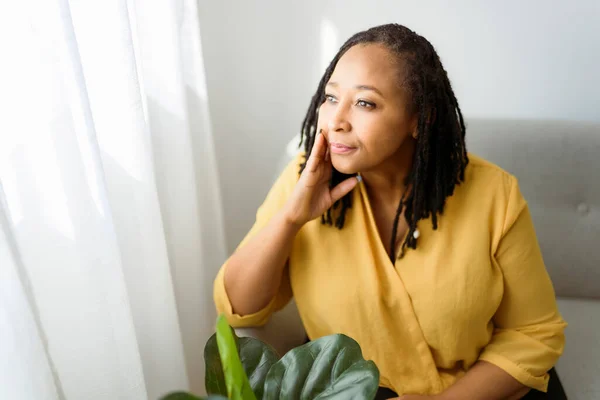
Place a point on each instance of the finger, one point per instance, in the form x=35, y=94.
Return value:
x=317, y=153
x=326, y=155
x=344, y=188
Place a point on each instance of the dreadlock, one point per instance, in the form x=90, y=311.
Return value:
x=440, y=155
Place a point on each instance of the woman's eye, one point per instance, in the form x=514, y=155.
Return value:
x=330, y=98
x=365, y=104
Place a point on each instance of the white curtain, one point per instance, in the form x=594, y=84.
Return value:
x=110, y=214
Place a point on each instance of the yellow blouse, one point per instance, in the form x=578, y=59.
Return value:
x=474, y=289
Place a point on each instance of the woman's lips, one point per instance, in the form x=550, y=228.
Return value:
x=339, y=148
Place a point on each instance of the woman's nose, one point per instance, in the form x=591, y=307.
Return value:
x=339, y=120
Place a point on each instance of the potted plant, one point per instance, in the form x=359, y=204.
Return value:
x=331, y=367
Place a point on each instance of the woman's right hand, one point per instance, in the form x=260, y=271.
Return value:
x=312, y=196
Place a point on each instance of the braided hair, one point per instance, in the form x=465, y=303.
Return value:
x=440, y=155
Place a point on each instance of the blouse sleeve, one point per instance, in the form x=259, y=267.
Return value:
x=274, y=201
x=528, y=333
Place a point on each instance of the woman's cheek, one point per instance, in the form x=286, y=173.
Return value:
x=323, y=110
x=376, y=143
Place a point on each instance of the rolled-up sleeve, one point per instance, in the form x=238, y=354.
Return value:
x=274, y=201
x=261, y=317
x=528, y=333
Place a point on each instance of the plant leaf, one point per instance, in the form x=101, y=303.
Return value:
x=256, y=357
x=327, y=368
x=236, y=381
x=214, y=380
x=189, y=396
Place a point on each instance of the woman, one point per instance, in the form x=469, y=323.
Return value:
x=423, y=254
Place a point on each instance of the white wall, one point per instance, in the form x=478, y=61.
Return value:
x=512, y=59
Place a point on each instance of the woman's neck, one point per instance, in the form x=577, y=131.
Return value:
x=387, y=181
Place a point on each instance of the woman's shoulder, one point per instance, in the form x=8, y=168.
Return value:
x=487, y=176
x=490, y=195
x=485, y=166
x=487, y=188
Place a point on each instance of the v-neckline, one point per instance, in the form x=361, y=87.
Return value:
x=373, y=225
x=396, y=294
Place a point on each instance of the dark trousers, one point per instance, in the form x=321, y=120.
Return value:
x=555, y=391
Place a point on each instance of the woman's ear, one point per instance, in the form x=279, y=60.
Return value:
x=414, y=124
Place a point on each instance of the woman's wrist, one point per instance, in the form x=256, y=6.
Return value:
x=290, y=218
x=290, y=221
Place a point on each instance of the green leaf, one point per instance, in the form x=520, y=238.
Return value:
x=331, y=367
x=189, y=396
x=214, y=380
x=236, y=381
x=257, y=358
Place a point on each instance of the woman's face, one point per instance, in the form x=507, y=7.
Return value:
x=365, y=116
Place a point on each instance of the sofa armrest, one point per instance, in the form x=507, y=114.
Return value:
x=579, y=366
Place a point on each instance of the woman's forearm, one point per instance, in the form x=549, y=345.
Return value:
x=253, y=273
x=485, y=381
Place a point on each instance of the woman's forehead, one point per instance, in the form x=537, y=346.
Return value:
x=368, y=65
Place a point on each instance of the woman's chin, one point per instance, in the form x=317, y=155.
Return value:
x=344, y=166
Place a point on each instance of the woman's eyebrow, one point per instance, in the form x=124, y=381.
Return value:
x=359, y=87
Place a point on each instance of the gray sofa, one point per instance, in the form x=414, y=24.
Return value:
x=558, y=167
